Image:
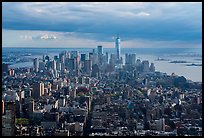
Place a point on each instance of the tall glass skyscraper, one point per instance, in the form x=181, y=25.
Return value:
x=100, y=54
x=117, y=46
x=100, y=50
x=36, y=64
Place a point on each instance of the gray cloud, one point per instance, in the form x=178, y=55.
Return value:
x=100, y=21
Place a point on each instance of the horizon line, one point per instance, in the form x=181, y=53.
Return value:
x=103, y=47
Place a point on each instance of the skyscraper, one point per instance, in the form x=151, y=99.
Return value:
x=145, y=65
x=42, y=88
x=83, y=57
x=38, y=90
x=95, y=71
x=117, y=46
x=152, y=67
x=54, y=65
x=130, y=59
x=5, y=68
x=100, y=54
x=8, y=120
x=71, y=63
x=36, y=64
x=62, y=57
x=90, y=55
x=112, y=59
x=74, y=54
x=100, y=50
x=41, y=66
x=87, y=66
x=107, y=57
x=94, y=58
x=59, y=65
x=127, y=58
x=2, y=107
x=11, y=72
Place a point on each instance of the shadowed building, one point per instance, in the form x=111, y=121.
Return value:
x=8, y=120
x=38, y=90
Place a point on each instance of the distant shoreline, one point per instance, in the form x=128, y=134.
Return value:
x=104, y=47
x=178, y=61
x=193, y=64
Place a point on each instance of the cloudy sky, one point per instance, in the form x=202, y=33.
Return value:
x=84, y=24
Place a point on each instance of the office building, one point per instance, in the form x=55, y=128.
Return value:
x=8, y=120
x=112, y=59
x=49, y=65
x=73, y=93
x=130, y=59
x=100, y=54
x=62, y=57
x=36, y=64
x=67, y=54
x=83, y=57
x=41, y=66
x=152, y=67
x=12, y=72
x=117, y=46
x=5, y=68
x=100, y=50
x=77, y=62
x=90, y=55
x=95, y=71
x=38, y=90
x=127, y=59
x=42, y=88
x=3, y=107
x=88, y=66
x=31, y=106
x=94, y=58
x=72, y=64
x=54, y=65
x=59, y=66
x=107, y=57
x=55, y=58
x=74, y=54
x=158, y=125
x=66, y=62
x=145, y=65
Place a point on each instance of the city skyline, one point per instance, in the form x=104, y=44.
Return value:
x=101, y=69
x=94, y=94
x=87, y=24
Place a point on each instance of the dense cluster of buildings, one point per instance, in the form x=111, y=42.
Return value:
x=95, y=93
